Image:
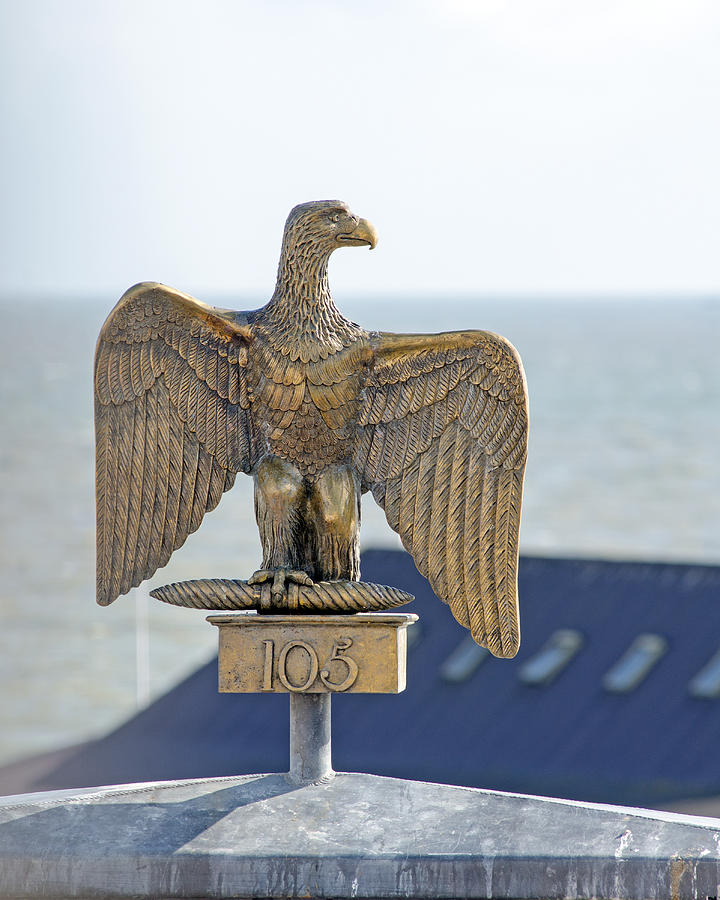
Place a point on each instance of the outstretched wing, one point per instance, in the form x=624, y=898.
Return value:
x=171, y=427
x=442, y=446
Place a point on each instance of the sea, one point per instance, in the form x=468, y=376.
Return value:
x=623, y=464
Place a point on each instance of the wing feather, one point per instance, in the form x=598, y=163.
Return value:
x=123, y=436
x=106, y=465
x=137, y=460
x=203, y=474
x=190, y=465
x=149, y=485
x=219, y=409
x=147, y=369
x=174, y=485
x=163, y=471
x=172, y=427
x=204, y=422
x=486, y=548
x=471, y=542
x=217, y=485
x=442, y=442
x=423, y=507
x=191, y=402
x=438, y=516
x=408, y=491
x=114, y=383
x=508, y=511
x=392, y=503
x=455, y=522
x=210, y=370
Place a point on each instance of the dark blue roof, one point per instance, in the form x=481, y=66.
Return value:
x=571, y=738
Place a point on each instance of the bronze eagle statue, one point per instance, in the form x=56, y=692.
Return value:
x=318, y=411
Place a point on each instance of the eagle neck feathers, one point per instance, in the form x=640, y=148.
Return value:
x=301, y=320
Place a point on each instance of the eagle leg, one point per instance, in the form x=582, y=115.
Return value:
x=334, y=513
x=280, y=502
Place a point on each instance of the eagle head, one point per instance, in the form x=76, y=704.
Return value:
x=326, y=225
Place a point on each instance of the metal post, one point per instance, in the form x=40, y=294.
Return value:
x=310, y=747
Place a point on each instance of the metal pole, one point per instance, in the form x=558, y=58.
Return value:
x=310, y=747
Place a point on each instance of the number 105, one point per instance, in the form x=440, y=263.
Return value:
x=297, y=648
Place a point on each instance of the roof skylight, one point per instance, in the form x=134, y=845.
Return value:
x=707, y=681
x=553, y=658
x=635, y=664
x=463, y=661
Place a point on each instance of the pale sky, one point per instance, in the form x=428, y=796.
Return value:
x=499, y=146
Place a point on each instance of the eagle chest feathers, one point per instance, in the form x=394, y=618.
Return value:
x=307, y=411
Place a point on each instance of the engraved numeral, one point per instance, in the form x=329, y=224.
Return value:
x=268, y=666
x=337, y=655
x=352, y=667
x=282, y=666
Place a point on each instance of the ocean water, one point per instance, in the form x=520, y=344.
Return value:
x=625, y=419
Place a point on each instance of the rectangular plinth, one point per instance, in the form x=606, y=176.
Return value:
x=362, y=653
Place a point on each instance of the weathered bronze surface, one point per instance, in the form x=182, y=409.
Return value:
x=317, y=410
x=363, y=653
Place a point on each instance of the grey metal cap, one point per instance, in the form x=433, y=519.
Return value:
x=357, y=836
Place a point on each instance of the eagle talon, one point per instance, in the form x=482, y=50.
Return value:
x=261, y=576
x=280, y=578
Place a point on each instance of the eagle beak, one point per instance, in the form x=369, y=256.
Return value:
x=363, y=233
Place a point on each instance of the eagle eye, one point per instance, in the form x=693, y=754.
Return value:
x=335, y=217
